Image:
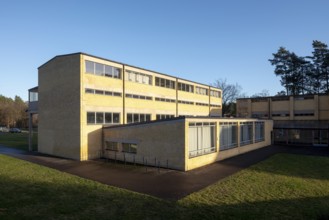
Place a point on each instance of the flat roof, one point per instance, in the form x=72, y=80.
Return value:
x=284, y=96
x=34, y=89
x=177, y=119
x=124, y=64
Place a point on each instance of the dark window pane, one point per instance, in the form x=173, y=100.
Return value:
x=125, y=147
x=116, y=118
x=91, y=117
x=99, y=92
x=148, y=117
x=142, y=117
x=89, y=91
x=108, y=71
x=129, y=118
x=136, y=118
x=99, y=117
x=108, y=117
x=111, y=146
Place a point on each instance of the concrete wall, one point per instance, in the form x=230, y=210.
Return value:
x=169, y=141
x=292, y=105
x=159, y=141
x=59, y=107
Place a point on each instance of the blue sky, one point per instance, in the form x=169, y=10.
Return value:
x=198, y=40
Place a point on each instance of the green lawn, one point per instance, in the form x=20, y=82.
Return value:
x=282, y=187
x=18, y=140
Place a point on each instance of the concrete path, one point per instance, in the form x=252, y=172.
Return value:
x=163, y=183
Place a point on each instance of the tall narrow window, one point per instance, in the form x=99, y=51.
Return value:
x=201, y=138
x=99, y=69
x=228, y=135
x=91, y=117
x=90, y=67
x=99, y=117
x=246, y=133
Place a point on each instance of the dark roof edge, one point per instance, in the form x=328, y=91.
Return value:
x=34, y=88
x=63, y=55
x=177, y=119
x=265, y=97
x=124, y=64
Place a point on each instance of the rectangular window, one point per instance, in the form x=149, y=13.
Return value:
x=102, y=69
x=135, y=117
x=185, y=87
x=246, y=133
x=228, y=135
x=91, y=91
x=201, y=91
x=201, y=139
x=99, y=92
x=259, y=131
x=116, y=118
x=108, y=118
x=163, y=116
x=157, y=81
x=112, y=146
x=99, y=69
x=129, y=148
x=138, y=96
x=166, y=83
x=102, y=92
x=103, y=118
x=90, y=68
x=139, y=77
x=91, y=117
x=215, y=93
x=100, y=117
x=108, y=71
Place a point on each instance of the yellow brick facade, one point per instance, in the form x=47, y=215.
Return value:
x=68, y=77
x=307, y=107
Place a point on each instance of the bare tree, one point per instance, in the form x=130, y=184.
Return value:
x=263, y=93
x=230, y=93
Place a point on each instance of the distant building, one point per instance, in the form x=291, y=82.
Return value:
x=302, y=119
x=81, y=99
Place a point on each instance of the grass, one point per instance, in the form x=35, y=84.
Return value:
x=18, y=140
x=282, y=187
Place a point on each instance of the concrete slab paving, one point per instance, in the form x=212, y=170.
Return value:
x=163, y=183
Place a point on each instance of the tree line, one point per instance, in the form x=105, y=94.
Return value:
x=13, y=112
x=303, y=74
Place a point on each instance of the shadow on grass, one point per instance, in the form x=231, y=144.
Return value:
x=76, y=198
x=31, y=191
x=82, y=199
x=301, y=208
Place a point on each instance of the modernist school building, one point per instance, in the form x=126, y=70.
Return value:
x=298, y=120
x=89, y=106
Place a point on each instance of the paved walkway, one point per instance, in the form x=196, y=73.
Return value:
x=163, y=183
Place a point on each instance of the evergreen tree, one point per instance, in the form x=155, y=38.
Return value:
x=281, y=62
x=292, y=70
x=320, y=73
